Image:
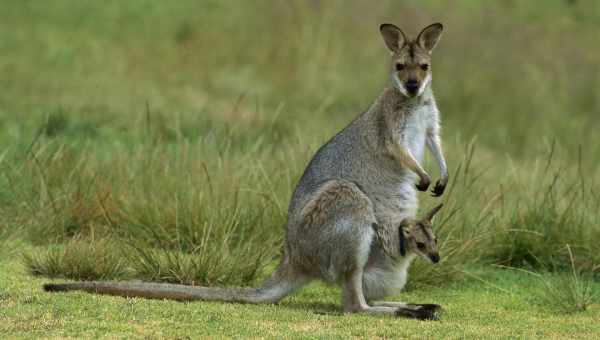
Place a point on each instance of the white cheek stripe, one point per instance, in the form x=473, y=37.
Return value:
x=398, y=84
x=424, y=84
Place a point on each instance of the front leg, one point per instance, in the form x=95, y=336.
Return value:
x=406, y=159
x=434, y=145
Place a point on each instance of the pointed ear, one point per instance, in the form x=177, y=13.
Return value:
x=430, y=36
x=432, y=212
x=393, y=37
x=402, y=236
x=402, y=242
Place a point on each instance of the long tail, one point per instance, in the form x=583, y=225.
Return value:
x=282, y=283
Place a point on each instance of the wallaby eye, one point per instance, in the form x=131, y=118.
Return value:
x=424, y=67
x=420, y=245
x=399, y=67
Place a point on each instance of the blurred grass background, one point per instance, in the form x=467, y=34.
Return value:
x=162, y=141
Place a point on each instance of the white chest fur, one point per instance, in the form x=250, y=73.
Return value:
x=418, y=119
x=399, y=198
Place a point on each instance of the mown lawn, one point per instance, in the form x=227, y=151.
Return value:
x=499, y=304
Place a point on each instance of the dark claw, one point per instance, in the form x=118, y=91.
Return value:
x=422, y=185
x=438, y=190
x=421, y=312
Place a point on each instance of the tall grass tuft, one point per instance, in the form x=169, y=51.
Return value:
x=569, y=292
x=213, y=236
x=174, y=220
x=560, y=209
x=78, y=260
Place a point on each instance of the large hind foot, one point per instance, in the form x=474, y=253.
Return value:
x=354, y=301
x=420, y=311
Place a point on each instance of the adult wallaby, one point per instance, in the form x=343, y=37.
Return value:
x=351, y=219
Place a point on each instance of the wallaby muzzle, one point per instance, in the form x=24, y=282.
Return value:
x=412, y=86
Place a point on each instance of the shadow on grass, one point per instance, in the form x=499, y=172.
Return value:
x=321, y=308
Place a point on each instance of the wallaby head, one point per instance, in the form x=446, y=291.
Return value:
x=411, y=59
x=417, y=237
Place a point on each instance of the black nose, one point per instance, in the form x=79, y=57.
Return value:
x=435, y=258
x=412, y=85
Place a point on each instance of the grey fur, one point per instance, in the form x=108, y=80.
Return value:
x=355, y=196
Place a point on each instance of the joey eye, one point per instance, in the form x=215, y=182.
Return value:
x=420, y=245
x=424, y=67
x=399, y=67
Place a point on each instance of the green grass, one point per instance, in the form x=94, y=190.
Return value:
x=73, y=260
x=500, y=304
x=160, y=141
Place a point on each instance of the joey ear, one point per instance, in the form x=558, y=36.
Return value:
x=393, y=37
x=403, y=234
x=430, y=36
x=402, y=242
x=429, y=216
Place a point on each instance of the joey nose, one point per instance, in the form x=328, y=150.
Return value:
x=435, y=258
x=412, y=85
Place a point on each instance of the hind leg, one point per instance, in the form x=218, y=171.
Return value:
x=334, y=232
x=333, y=242
x=334, y=237
x=353, y=301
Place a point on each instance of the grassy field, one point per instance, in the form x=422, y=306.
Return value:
x=156, y=141
x=506, y=304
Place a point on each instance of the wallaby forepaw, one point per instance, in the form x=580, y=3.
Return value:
x=423, y=184
x=421, y=312
x=438, y=190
